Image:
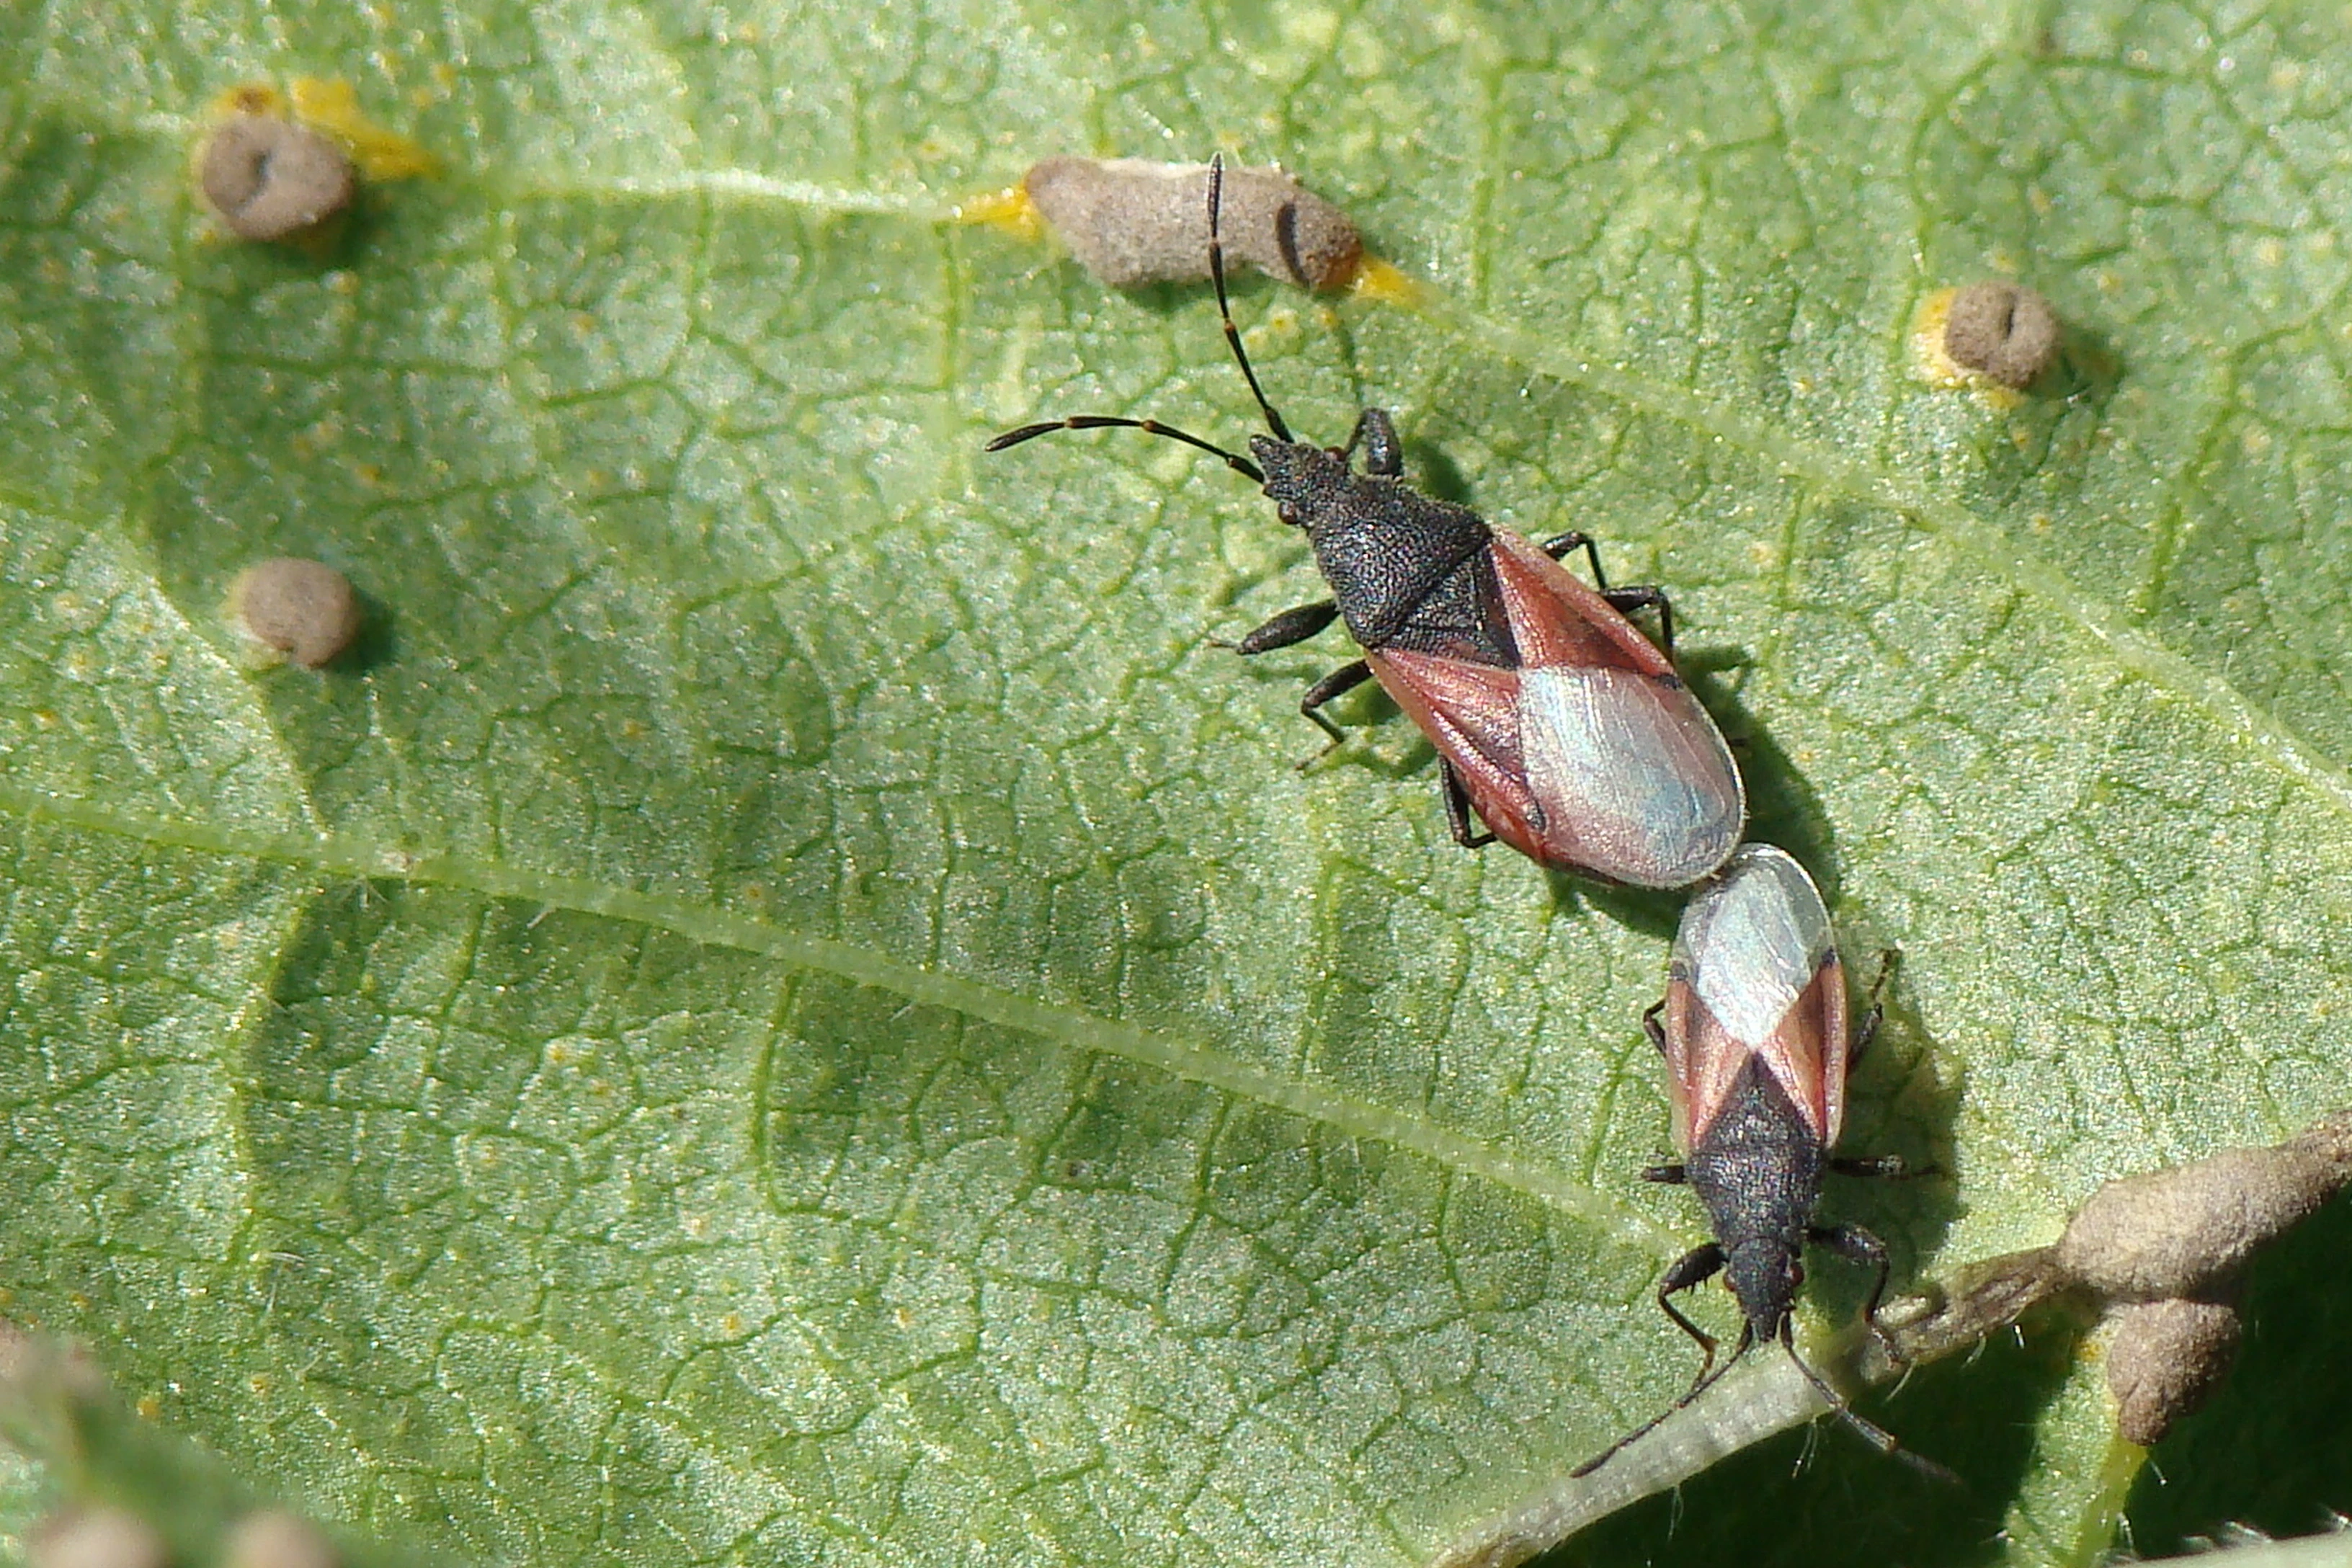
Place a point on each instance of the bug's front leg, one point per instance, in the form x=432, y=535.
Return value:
x=1345, y=678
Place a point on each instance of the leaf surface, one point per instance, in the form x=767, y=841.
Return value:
x=788, y=1005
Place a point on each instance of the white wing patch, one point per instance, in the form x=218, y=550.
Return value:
x=1621, y=771
x=1752, y=941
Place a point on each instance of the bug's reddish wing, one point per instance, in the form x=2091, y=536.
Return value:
x=1557, y=620
x=1807, y=1052
x=1471, y=714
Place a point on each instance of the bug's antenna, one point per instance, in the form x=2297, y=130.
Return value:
x=1870, y=1431
x=1239, y=464
x=1224, y=307
x=1705, y=1381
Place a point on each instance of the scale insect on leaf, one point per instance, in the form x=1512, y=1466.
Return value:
x=1755, y=1035
x=1132, y=223
x=1556, y=722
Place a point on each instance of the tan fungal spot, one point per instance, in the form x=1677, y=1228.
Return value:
x=304, y=609
x=2000, y=331
x=2188, y=1231
x=95, y=1538
x=1131, y=222
x=2158, y=1257
x=271, y=179
x=273, y=1538
x=2166, y=1359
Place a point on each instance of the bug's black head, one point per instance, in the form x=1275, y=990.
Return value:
x=1764, y=1273
x=1302, y=480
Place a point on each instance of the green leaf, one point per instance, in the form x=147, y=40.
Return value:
x=790, y=1006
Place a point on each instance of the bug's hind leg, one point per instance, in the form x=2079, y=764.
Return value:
x=1458, y=808
x=1632, y=597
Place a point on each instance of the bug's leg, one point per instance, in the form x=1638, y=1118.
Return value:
x=1345, y=678
x=1293, y=626
x=1383, y=453
x=1856, y=1245
x=1646, y=598
x=1868, y=1030
x=1620, y=599
x=1893, y=1166
x=1697, y=1265
x=1458, y=808
x=1560, y=544
x=1675, y=1175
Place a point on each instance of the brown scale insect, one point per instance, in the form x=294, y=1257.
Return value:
x=1131, y=222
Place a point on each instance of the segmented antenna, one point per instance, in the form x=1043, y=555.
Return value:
x=1239, y=464
x=1224, y=306
x=1707, y=1378
x=1870, y=1432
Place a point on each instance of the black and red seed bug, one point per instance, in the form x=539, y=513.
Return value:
x=1564, y=728
x=1754, y=1031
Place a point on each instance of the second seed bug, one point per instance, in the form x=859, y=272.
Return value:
x=1564, y=728
x=1754, y=1031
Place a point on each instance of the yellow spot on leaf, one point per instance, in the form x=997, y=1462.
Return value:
x=249, y=97
x=1315, y=28
x=1384, y=284
x=330, y=105
x=1938, y=368
x=1009, y=209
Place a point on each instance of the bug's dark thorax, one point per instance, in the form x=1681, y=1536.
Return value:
x=1757, y=1170
x=1408, y=571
